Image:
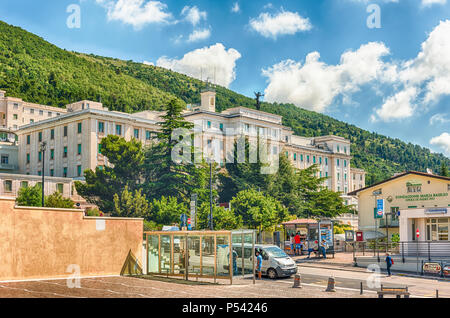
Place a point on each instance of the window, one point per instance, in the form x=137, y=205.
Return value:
x=345, y=149
x=4, y=159
x=31, y=121
x=39, y=156
x=52, y=134
x=414, y=188
x=28, y=158
x=15, y=117
x=60, y=188
x=437, y=229
x=31, y=111
x=338, y=162
x=41, y=113
x=65, y=152
x=8, y=185
x=320, y=160
x=221, y=127
x=101, y=127
x=287, y=154
x=326, y=174
x=52, y=173
x=65, y=131
x=39, y=173
x=80, y=128
x=345, y=163
x=50, y=114
x=52, y=154
x=275, y=150
x=301, y=158
x=15, y=106
x=209, y=124
x=65, y=172
x=339, y=176
x=314, y=159
x=326, y=161
x=100, y=148
x=79, y=149
x=247, y=127
x=148, y=135
x=119, y=130
x=287, y=138
x=338, y=149
x=24, y=184
x=40, y=136
x=136, y=133
x=79, y=171
x=307, y=158
x=295, y=157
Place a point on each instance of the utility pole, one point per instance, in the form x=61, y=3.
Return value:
x=43, y=148
x=210, y=196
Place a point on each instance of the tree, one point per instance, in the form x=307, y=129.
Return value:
x=444, y=170
x=100, y=186
x=327, y=204
x=56, y=200
x=130, y=204
x=223, y=219
x=30, y=196
x=245, y=175
x=165, y=211
x=257, y=210
x=163, y=176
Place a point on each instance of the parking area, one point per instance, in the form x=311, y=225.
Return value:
x=128, y=287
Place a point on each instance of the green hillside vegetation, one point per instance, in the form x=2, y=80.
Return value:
x=39, y=72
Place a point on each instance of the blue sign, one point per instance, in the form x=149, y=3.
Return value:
x=183, y=220
x=380, y=208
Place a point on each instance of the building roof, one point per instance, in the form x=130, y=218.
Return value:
x=418, y=173
x=300, y=221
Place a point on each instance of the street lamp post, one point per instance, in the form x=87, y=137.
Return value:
x=210, y=196
x=43, y=149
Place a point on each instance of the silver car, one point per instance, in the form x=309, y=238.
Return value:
x=276, y=263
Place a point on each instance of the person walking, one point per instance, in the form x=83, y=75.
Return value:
x=259, y=264
x=297, y=244
x=389, y=263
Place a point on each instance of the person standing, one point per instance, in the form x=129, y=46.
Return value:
x=297, y=244
x=259, y=264
x=324, y=246
x=292, y=244
x=389, y=263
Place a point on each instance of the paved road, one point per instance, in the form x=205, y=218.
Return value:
x=419, y=287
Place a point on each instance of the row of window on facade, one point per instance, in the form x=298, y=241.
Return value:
x=79, y=172
x=8, y=186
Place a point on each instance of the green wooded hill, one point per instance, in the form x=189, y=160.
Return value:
x=39, y=72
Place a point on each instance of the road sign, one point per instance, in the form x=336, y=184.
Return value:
x=417, y=233
x=183, y=220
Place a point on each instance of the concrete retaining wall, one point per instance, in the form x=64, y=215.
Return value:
x=37, y=243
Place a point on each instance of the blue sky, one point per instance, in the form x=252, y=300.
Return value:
x=389, y=74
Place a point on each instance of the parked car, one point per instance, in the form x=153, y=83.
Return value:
x=276, y=263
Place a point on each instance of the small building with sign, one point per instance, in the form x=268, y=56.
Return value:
x=408, y=202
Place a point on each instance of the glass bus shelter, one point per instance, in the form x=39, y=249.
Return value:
x=202, y=254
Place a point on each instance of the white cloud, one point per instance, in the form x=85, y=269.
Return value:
x=428, y=3
x=314, y=85
x=439, y=119
x=193, y=15
x=235, y=8
x=199, y=35
x=443, y=142
x=148, y=63
x=416, y=84
x=398, y=106
x=137, y=13
x=285, y=22
x=208, y=62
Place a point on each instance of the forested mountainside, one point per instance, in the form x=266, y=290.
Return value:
x=40, y=72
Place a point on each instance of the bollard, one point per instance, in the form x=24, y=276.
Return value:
x=297, y=281
x=361, y=289
x=331, y=285
x=437, y=293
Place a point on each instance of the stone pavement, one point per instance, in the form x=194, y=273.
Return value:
x=126, y=287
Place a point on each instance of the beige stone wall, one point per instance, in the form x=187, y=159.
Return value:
x=41, y=243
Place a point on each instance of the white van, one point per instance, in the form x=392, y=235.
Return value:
x=276, y=263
